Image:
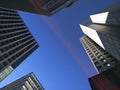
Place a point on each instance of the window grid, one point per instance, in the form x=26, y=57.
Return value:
x=99, y=56
x=15, y=39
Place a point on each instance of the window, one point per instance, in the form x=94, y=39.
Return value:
x=0, y=66
x=27, y=84
x=32, y=83
x=0, y=52
x=100, y=68
x=101, y=57
x=108, y=65
x=97, y=63
x=5, y=63
x=104, y=60
x=24, y=88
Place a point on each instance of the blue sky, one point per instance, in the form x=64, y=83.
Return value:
x=60, y=63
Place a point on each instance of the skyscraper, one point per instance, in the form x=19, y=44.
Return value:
x=110, y=15
x=16, y=41
x=105, y=27
x=108, y=68
x=102, y=45
x=44, y=7
x=27, y=82
x=110, y=43
x=99, y=57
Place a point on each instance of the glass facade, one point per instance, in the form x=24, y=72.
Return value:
x=111, y=44
x=106, y=23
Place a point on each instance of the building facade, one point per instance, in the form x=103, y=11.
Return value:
x=107, y=80
x=98, y=56
x=102, y=44
x=111, y=44
x=44, y=7
x=16, y=41
x=106, y=25
x=110, y=15
x=28, y=82
x=107, y=40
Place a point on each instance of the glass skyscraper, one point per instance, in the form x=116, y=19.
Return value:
x=102, y=44
x=105, y=26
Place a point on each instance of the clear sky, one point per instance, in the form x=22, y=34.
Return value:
x=60, y=63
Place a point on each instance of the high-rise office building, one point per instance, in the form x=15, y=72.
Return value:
x=107, y=20
x=102, y=45
x=98, y=56
x=16, y=41
x=103, y=28
x=44, y=7
x=109, y=42
x=109, y=15
x=28, y=82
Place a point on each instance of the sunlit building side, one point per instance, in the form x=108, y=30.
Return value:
x=102, y=45
x=103, y=36
x=110, y=15
x=92, y=34
x=27, y=82
x=104, y=29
